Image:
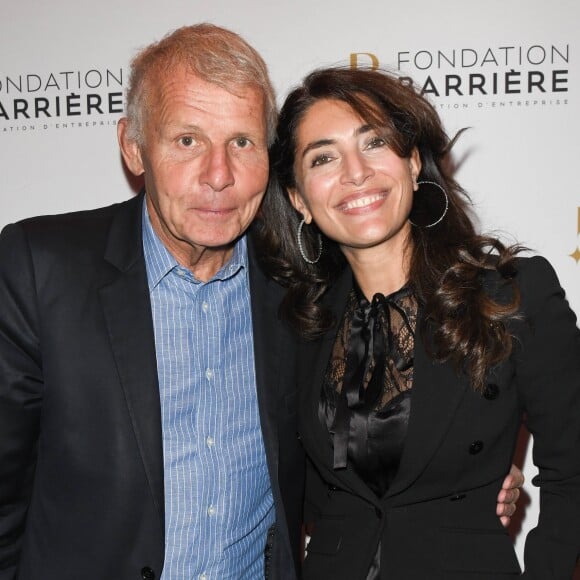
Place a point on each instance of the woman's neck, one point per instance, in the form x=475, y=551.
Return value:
x=378, y=270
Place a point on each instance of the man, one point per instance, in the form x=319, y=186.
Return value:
x=147, y=391
x=135, y=414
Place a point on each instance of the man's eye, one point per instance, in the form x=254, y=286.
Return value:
x=187, y=141
x=242, y=142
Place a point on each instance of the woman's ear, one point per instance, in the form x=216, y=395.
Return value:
x=299, y=205
x=415, y=166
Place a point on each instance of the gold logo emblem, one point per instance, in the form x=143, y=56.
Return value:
x=370, y=60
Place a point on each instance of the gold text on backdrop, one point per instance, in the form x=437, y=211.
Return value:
x=354, y=59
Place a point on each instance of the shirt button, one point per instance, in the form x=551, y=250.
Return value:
x=203, y=576
x=208, y=374
x=205, y=306
x=210, y=441
x=211, y=511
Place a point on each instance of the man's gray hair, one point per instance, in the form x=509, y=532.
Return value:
x=214, y=54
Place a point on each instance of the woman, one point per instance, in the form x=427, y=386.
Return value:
x=426, y=344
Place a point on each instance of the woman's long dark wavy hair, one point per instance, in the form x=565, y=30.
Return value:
x=447, y=261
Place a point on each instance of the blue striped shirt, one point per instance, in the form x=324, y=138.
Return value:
x=218, y=500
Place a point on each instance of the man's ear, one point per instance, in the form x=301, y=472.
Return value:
x=130, y=149
x=298, y=202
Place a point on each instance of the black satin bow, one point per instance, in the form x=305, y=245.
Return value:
x=369, y=344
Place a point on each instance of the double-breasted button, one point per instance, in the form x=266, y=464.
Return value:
x=147, y=573
x=491, y=392
x=475, y=447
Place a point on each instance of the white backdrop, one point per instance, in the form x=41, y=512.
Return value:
x=509, y=70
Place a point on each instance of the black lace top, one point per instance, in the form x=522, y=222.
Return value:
x=366, y=396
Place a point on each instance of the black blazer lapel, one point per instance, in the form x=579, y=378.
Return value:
x=437, y=392
x=127, y=311
x=275, y=363
x=313, y=360
x=272, y=351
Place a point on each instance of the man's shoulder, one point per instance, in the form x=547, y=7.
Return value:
x=75, y=235
x=76, y=221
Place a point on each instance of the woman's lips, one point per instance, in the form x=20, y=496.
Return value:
x=362, y=201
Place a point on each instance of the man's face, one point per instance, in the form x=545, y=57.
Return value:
x=205, y=159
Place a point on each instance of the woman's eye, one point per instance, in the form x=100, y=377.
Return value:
x=320, y=160
x=187, y=141
x=376, y=142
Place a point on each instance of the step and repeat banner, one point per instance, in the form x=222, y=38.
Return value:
x=510, y=71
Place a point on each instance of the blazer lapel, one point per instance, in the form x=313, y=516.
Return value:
x=270, y=343
x=127, y=310
x=437, y=392
x=313, y=361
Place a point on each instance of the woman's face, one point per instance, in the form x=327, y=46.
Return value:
x=349, y=181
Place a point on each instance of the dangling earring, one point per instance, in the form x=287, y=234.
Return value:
x=429, y=204
x=301, y=247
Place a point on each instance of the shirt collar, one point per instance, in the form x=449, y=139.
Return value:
x=160, y=261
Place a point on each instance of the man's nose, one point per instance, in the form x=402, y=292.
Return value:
x=217, y=172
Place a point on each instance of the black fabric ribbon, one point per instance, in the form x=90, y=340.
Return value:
x=368, y=344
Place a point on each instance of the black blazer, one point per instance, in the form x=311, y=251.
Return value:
x=81, y=467
x=437, y=521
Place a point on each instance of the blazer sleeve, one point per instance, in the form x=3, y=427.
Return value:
x=21, y=387
x=548, y=378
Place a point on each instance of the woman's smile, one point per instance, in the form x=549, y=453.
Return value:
x=367, y=201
